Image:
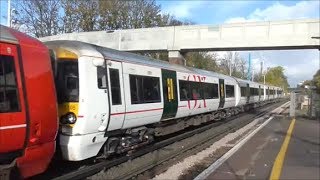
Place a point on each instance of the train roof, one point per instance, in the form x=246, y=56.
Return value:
x=82, y=49
x=7, y=36
x=12, y=36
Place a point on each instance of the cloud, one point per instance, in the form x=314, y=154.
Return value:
x=299, y=65
x=279, y=11
x=182, y=9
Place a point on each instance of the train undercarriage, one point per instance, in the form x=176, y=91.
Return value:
x=128, y=140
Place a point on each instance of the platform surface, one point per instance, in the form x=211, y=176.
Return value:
x=256, y=158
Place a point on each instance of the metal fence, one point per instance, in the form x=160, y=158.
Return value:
x=305, y=102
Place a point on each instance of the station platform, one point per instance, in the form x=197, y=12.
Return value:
x=286, y=148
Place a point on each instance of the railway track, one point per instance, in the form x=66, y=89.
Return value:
x=168, y=148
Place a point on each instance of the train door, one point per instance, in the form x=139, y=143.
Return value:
x=13, y=116
x=222, y=93
x=169, y=83
x=268, y=93
x=248, y=93
x=117, y=101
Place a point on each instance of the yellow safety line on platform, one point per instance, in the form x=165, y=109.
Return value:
x=277, y=166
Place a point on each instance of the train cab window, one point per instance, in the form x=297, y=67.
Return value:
x=144, y=89
x=9, y=101
x=115, y=86
x=196, y=90
x=184, y=88
x=229, y=91
x=67, y=81
x=210, y=91
x=102, y=77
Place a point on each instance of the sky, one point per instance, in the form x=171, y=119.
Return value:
x=299, y=64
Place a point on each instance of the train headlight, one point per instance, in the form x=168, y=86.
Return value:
x=69, y=118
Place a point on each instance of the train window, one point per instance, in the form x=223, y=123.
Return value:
x=151, y=89
x=102, y=77
x=184, y=87
x=243, y=91
x=271, y=92
x=136, y=89
x=196, y=90
x=9, y=101
x=254, y=91
x=115, y=86
x=251, y=91
x=144, y=89
x=229, y=91
x=210, y=91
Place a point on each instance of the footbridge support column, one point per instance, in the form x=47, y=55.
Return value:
x=176, y=57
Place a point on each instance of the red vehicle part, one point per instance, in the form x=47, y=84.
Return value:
x=28, y=109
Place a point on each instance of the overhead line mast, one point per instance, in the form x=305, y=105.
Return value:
x=9, y=14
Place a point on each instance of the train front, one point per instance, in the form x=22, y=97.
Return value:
x=78, y=95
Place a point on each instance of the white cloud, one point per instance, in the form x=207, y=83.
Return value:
x=278, y=11
x=301, y=71
x=299, y=65
x=183, y=9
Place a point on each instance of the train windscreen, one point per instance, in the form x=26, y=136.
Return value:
x=67, y=81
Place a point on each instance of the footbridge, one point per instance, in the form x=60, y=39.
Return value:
x=271, y=35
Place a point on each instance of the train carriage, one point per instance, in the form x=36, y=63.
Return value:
x=112, y=101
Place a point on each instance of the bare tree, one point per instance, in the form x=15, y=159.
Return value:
x=71, y=19
x=39, y=17
x=232, y=62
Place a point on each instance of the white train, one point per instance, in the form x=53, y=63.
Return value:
x=112, y=101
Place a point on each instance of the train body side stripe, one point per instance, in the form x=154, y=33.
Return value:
x=13, y=126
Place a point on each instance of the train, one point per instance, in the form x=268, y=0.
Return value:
x=107, y=101
x=28, y=106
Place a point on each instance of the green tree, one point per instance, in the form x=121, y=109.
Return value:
x=202, y=60
x=275, y=76
x=80, y=15
x=119, y=14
